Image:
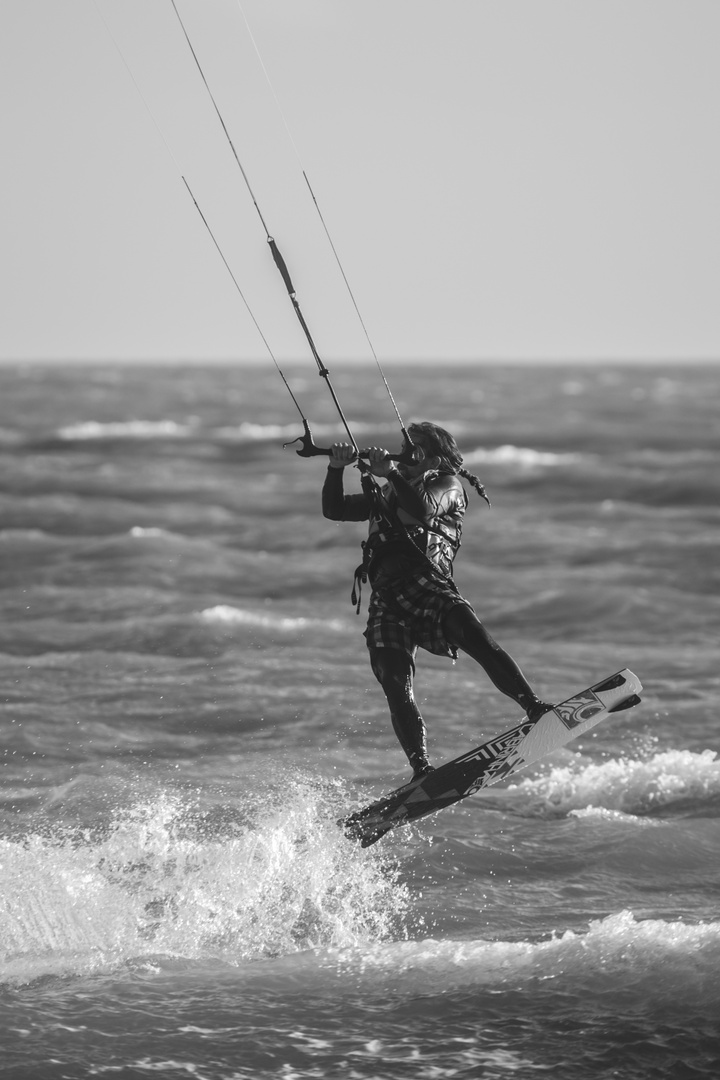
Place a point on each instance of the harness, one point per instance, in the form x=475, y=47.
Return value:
x=392, y=530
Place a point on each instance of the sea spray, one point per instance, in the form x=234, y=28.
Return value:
x=169, y=877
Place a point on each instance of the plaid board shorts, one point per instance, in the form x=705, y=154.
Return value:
x=410, y=614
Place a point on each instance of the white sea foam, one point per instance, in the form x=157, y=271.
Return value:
x=254, y=432
x=226, y=614
x=285, y=886
x=141, y=532
x=247, y=431
x=127, y=429
x=600, y=813
x=26, y=536
x=523, y=456
x=164, y=879
x=618, y=950
x=621, y=785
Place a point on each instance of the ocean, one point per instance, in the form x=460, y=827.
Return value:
x=188, y=709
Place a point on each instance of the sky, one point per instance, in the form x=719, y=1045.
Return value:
x=501, y=179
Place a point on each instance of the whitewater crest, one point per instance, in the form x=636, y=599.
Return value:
x=520, y=456
x=127, y=429
x=245, y=432
x=619, y=954
x=231, y=883
x=227, y=615
x=673, y=779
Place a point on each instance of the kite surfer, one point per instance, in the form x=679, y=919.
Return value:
x=414, y=535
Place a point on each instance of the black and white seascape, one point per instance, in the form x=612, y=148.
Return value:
x=188, y=709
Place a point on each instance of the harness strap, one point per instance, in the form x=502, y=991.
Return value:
x=389, y=517
x=360, y=578
x=362, y=571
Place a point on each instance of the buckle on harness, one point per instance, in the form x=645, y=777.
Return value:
x=360, y=576
x=359, y=580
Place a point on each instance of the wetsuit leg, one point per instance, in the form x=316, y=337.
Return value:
x=394, y=671
x=464, y=630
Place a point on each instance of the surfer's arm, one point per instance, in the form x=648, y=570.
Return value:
x=338, y=506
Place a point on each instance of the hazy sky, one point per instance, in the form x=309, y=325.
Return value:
x=501, y=178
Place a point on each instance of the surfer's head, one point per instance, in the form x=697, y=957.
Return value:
x=437, y=445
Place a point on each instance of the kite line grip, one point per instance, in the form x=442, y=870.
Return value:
x=308, y=448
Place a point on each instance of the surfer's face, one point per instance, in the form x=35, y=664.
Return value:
x=422, y=460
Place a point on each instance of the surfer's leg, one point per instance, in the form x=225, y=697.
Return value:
x=464, y=629
x=394, y=670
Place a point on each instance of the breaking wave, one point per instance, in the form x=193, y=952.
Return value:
x=246, y=431
x=227, y=615
x=127, y=429
x=230, y=883
x=615, y=951
x=667, y=781
x=522, y=456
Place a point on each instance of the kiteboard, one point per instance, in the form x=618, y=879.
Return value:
x=496, y=759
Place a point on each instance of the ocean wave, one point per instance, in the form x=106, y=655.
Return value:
x=27, y=536
x=674, y=779
x=254, y=432
x=245, y=432
x=600, y=813
x=127, y=429
x=661, y=965
x=692, y=455
x=269, y=888
x=249, y=432
x=152, y=532
x=227, y=615
x=620, y=954
x=523, y=456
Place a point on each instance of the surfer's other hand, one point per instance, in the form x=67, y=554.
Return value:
x=379, y=459
x=341, y=454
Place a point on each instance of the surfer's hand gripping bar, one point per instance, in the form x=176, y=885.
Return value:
x=309, y=449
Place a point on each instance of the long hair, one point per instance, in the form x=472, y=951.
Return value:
x=439, y=443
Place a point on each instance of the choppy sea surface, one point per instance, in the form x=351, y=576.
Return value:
x=187, y=709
